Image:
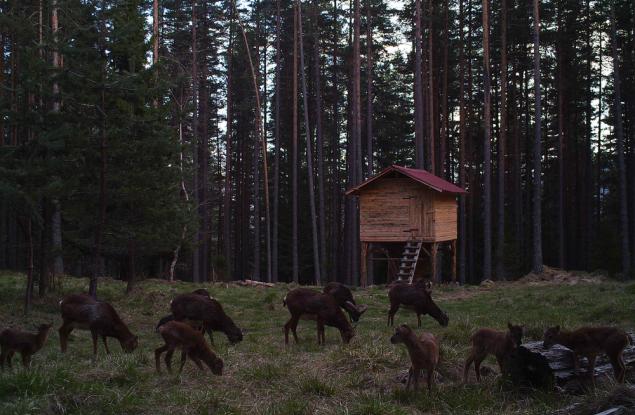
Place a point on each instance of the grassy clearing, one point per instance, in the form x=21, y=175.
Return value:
x=263, y=377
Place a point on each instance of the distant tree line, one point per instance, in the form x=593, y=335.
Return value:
x=207, y=140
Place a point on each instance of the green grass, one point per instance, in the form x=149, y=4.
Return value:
x=262, y=376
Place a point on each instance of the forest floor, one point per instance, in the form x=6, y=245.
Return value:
x=262, y=376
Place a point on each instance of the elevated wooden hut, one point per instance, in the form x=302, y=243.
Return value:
x=410, y=207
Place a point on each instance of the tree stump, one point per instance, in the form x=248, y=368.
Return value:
x=532, y=365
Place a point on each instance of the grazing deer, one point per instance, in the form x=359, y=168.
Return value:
x=195, y=324
x=83, y=312
x=344, y=298
x=416, y=297
x=198, y=307
x=489, y=341
x=27, y=344
x=423, y=351
x=178, y=335
x=312, y=305
x=590, y=342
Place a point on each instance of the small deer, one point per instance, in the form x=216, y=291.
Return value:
x=178, y=335
x=81, y=311
x=417, y=297
x=27, y=344
x=590, y=342
x=344, y=298
x=489, y=341
x=423, y=351
x=312, y=305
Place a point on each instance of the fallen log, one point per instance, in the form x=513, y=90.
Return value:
x=535, y=366
x=252, y=283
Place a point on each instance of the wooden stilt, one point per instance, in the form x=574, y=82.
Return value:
x=453, y=247
x=371, y=269
x=363, y=280
x=433, y=257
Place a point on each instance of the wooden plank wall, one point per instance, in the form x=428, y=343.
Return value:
x=391, y=206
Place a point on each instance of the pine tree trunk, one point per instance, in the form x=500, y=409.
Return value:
x=462, y=148
x=336, y=208
x=487, y=165
x=537, y=174
x=276, y=154
x=621, y=164
x=196, y=254
x=444, y=141
x=369, y=91
x=319, y=139
x=502, y=145
x=294, y=154
x=58, y=261
x=432, y=125
x=356, y=139
x=227, y=197
x=28, y=232
x=561, y=137
x=418, y=91
x=309, y=154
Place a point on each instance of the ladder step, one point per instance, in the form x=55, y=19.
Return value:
x=404, y=259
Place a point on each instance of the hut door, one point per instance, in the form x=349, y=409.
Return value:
x=415, y=215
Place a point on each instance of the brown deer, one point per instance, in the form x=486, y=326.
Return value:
x=312, y=305
x=589, y=342
x=423, y=351
x=489, y=341
x=417, y=297
x=27, y=344
x=344, y=298
x=178, y=335
x=198, y=307
x=81, y=311
x=197, y=324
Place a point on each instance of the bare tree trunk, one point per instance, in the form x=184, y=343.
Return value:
x=309, y=155
x=487, y=164
x=227, y=197
x=335, y=154
x=196, y=266
x=357, y=138
x=369, y=90
x=537, y=178
x=276, y=156
x=131, y=266
x=502, y=144
x=294, y=154
x=561, y=136
x=28, y=231
x=418, y=91
x=621, y=164
x=58, y=261
x=445, y=130
x=462, y=148
x=319, y=139
x=260, y=136
x=432, y=125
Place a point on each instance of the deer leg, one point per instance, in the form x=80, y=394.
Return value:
x=3, y=357
x=576, y=364
x=591, y=359
x=430, y=378
x=168, y=359
x=466, y=368
x=105, y=340
x=64, y=332
x=294, y=326
x=417, y=374
x=26, y=360
x=157, y=356
x=197, y=361
x=320, y=331
x=183, y=359
x=499, y=360
x=9, y=358
x=477, y=367
x=95, y=336
x=209, y=333
x=391, y=314
x=418, y=320
x=619, y=369
x=287, y=327
x=410, y=372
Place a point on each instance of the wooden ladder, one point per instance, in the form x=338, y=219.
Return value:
x=409, y=259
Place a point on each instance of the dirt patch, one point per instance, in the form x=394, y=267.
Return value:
x=562, y=277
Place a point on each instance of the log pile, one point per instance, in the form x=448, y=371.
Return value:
x=532, y=365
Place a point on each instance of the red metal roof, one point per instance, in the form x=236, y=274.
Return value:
x=424, y=177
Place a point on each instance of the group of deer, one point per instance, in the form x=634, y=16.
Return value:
x=197, y=313
x=192, y=315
